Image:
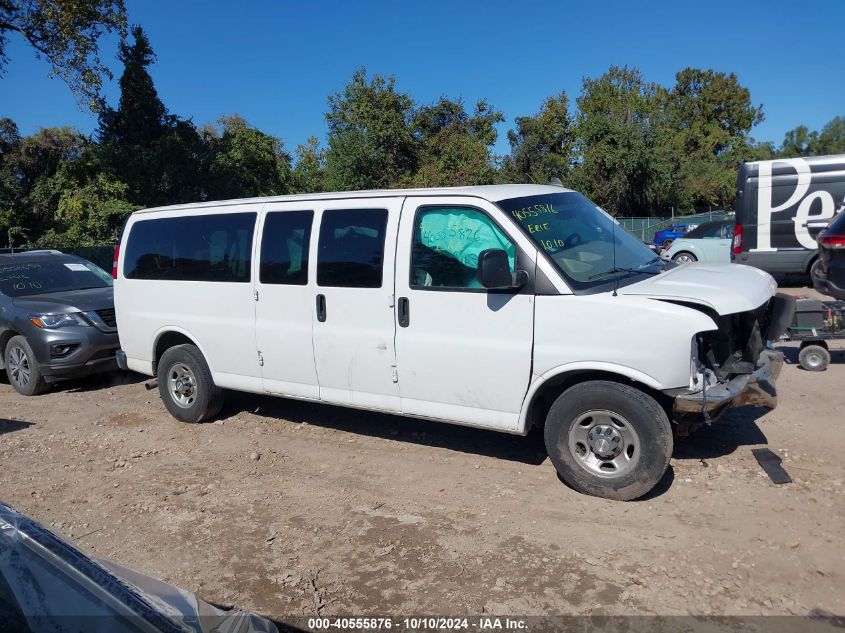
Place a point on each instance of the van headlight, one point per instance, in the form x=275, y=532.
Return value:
x=52, y=321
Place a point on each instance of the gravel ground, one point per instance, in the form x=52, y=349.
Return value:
x=291, y=508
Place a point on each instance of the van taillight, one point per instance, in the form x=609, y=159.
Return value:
x=114, y=263
x=832, y=240
x=736, y=245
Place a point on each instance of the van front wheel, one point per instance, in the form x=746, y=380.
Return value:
x=186, y=386
x=608, y=439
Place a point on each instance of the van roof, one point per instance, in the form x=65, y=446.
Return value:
x=491, y=193
x=831, y=159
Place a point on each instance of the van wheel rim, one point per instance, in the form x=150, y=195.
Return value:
x=19, y=369
x=182, y=384
x=604, y=444
x=684, y=259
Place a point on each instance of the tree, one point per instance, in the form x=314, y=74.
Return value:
x=454, y=147
x=800, y=141
x=88, y=214
x=618, y=114
x=156, y=154
x=832, y=137
x=309, y=174
x=32, y=178
x=371, y=144
x=245, y=162
x=67, y=34
x=703, y=136
x=542, y=144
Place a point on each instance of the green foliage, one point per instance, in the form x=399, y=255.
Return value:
x=67, y=34
x=370, y=141
x=244, y=161
x=88, y=214
x=309, y=174
x=542, y=146
x=156, y=154
x=616, y=127
x=455, y=148
x=803, y=142
x=32, y=178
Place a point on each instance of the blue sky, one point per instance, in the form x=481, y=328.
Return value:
x=276, y=62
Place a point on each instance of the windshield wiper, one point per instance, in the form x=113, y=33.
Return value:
x=623, y=270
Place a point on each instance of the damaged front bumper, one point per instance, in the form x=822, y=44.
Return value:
x=754, y=389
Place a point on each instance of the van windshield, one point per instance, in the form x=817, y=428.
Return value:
x=41, y=277
x=585, y=243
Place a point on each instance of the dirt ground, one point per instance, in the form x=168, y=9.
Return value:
x=290, y=508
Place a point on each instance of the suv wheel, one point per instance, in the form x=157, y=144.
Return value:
x=608, y=439
x=814, y=270
x=22, y=368
x=186, y=386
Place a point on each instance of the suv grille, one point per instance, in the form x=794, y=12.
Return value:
x=108, y=317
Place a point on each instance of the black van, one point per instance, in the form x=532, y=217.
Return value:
x=781, y=207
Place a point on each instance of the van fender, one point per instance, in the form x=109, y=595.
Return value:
x=166, y=329
x=580, y=367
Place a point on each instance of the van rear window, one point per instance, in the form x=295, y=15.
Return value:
x=191, y=248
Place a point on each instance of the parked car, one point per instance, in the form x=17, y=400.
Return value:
x=502, y=307
x=781, y=207
x=829, y=277
x=664, y=237
x=48, y=585
x=57, y=319
x=709, y=242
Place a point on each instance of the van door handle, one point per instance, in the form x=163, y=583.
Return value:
x=404, y=312
x=321, y=308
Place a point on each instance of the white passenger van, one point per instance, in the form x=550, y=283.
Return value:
x=500, y=307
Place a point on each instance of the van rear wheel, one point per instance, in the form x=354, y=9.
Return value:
x=608, y=439
x=186, y=386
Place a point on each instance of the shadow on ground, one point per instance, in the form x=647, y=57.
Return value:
x=525, y=450
x=738, y=427
x=9, y=426
x=99, y=381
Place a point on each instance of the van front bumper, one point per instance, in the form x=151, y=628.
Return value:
x=756, y=389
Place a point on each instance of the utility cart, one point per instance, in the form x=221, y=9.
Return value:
x=815, y=323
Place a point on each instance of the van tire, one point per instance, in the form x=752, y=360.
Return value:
x=19, y=355
x=626, y=420
x=183, y=368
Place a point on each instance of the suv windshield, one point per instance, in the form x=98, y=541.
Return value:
x=43, y=277
x=584, y=242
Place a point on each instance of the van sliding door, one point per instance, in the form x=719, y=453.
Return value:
x=352, y=302
x=284, y=288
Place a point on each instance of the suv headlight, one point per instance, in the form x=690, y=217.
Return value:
x=52, y=321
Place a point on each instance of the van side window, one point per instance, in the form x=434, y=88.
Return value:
x=216, y=247
x=351, y=250
x=284, y=247
x=447, y=242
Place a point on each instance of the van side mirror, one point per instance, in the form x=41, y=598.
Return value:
x=494, y=271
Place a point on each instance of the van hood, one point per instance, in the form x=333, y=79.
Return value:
x=727, y=288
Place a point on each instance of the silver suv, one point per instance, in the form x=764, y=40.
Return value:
x=57, y=319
